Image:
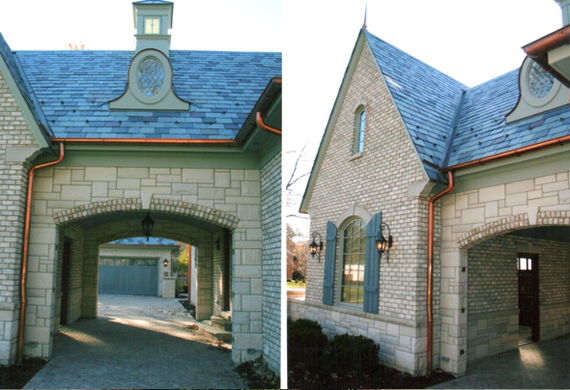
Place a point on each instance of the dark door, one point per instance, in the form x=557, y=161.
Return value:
x=65, y=283
x=528, y=293
x=227, y=271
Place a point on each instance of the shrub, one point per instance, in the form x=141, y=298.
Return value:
x=354, y=359
x=306, y=345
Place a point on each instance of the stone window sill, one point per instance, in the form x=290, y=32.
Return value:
x=355, y=156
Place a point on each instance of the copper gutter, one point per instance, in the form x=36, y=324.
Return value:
x=549, y=42
x=265, y=127
x=22, y=322
x=154, y=141
x=538, y=51
x=431, y=220
x=561, y=141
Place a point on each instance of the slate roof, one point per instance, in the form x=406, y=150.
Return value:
x=450, y=123
x=142, y=241
x=23, y=85
x=74, y=89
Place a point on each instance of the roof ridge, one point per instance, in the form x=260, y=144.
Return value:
x=493, y=79
x=415, y=58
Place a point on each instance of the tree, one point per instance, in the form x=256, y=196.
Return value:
x=182, y=261
x=297, y=252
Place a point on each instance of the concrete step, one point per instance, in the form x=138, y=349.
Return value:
x=226, y=315
x=220, y=322
x=207, y=328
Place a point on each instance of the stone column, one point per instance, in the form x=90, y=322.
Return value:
x=168, y=287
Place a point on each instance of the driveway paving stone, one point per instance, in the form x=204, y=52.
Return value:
x=542, y=365
x=138, y=343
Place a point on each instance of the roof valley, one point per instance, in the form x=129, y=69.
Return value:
x=453, y=131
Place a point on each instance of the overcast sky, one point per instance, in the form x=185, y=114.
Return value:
x=471, y=41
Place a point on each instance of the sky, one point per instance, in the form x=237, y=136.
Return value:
x=472, y=42
x=242, y=25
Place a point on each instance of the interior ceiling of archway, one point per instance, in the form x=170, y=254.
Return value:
x=101, y=219
x=552, y=233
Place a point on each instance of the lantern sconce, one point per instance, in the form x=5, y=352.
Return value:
x=314, y=247
x=148, y=226
x=382, y=244
x=218, y=244
x=165, y=263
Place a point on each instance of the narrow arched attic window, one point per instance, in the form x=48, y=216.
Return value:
x=360, y=125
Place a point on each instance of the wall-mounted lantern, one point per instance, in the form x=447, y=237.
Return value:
x=148, y=226
x=165, y=263
x=218, y=244
x=314, y=247
x=382, y=244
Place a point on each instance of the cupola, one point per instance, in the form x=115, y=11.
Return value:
x=150, y=75
x=565, y=5
x=152, y=20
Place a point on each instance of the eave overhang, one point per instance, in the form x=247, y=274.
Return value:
x=552, y=52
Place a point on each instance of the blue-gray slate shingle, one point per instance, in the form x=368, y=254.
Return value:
x=74, y=89
x=429, y=100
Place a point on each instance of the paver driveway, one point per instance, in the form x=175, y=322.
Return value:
x=136, y=343
x=543, y=365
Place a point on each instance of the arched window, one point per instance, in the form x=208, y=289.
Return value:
x=360, y=124
x=352, y=264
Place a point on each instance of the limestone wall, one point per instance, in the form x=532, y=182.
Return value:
x=271, y=258
x=227, y=198
x=475, y=218
x=13, y=181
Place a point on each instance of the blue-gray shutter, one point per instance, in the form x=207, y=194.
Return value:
x=330, y=258
x=372, y=266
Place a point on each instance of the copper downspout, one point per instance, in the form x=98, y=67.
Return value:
x=154, y=141
x=22, y=322
x=265, y=127
x=431, y=219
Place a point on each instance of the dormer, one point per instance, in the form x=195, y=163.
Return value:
x=152, y=20
x=544, y=78
x=150, y=73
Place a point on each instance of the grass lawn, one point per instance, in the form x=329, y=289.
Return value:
x=298, y=284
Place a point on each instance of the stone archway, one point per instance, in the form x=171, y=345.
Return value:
x=512, y=223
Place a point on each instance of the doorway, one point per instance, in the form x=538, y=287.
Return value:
x=65, y=281
x=529, y=320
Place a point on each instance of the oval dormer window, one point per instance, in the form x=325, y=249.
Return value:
x=540, y=82
x=150, y=76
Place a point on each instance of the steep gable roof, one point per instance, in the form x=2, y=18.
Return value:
x=452, y=124
x=426, y=98
x=23, y=85
x=74, y=89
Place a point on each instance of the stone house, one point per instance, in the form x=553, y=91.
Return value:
x=471, y=184
x=93, y=142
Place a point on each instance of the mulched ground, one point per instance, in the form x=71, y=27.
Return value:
x=387, y=378
x=258, y=375
x=16, y=376
x=190, y=308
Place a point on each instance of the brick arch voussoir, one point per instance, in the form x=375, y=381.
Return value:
x=511, y=224
x=203, y=213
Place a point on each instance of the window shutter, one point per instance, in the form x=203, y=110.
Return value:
x=330, y=258
x=372, y=266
